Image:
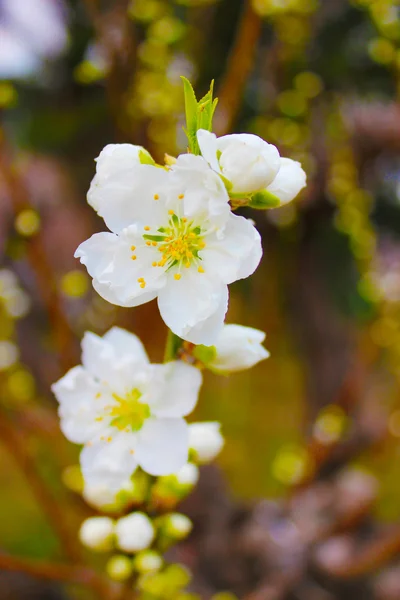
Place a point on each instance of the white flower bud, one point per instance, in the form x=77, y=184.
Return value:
x=248, y=162
x=177, y=526
x=103, y=497
x=119, y=567
x=290, y=179
x=97, y=533
x=134, y=532
x=148, y=561
x=188, y=475
x=205, y=440
x=238, y=348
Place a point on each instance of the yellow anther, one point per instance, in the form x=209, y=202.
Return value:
x=148, y=243
x=133, y=257
x=109, y=439
x=131, y=451
x=171, y=212
x=99, y=419
x=142, y=285
x=202, y=245
x=181, y=196
x=140, y=279
x=177, y=276
x=156, y=197
x=200, y=270
x=133, y=248
x=154, y=264
x=184, y=220
x=146, y=228
x=154, y=243
x=98, y=395
x=187, y=265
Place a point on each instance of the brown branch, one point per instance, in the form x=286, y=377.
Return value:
x=240, y=63
x=53, y=571
x=36, y=255
x=53, y=511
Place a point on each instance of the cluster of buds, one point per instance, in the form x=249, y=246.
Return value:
x=173, y=237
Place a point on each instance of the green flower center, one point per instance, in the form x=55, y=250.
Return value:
x=179, y=243
x=129, y=413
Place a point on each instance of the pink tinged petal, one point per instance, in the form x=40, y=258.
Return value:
x=235, y=253
x=162, y=447
x=125, y=343
x=187, y=304
x=128, y=197
x=180, y=390
x=110, y=461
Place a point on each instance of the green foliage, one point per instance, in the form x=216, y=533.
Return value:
x=263, y=200
x=199, y=113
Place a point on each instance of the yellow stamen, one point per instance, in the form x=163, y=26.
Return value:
x=142, y=285
x=171, y=212
x=146, y=228
x=177, y=276
x=154, y=243
x=148, y=243
x=133, y=257
x=156, y=196
x=98, y=395
x=133, y=248
x=200, y=270
x=181, y=196
x=154, y=264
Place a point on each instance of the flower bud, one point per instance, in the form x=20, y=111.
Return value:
x=238, y=348
x=290, y=179
x=134, y=532
x=119, y=567
x=97, y=533
x=246, y=161
x=176, y=526
x=188, y=475
x=205, y=440
x=148, y=561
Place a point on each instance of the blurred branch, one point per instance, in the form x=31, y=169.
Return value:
x=50, y=507
x=60, y=572
x=239, y=66
x=36, y=256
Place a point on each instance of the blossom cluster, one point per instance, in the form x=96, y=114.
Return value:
x=173, y=235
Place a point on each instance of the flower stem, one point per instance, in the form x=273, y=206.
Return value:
x=172, y=346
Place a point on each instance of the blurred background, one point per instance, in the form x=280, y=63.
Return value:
x=304, y=503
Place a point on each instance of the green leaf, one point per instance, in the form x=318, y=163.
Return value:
x=264, y=200
x=191, y=115
x=145, y=158
x=205, y=354
x=199, y=114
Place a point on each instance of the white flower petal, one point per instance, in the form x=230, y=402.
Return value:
x=181, y=385
x=235, y=254
x=289, y=181
x=127, y=197
x=207, y=331
x=246, y=160
x=125, y=343
x=109, y=463
x=188, y=304
x=116, y=276
x=162, y=447
x=238, y=348
x=206, y=440
x=203, y=192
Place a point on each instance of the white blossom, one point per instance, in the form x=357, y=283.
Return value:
x=134, y=532
x=101, y=496
x=238, y=348
x=126, y=411
x=188, y=474
x=97, y=533
x=248, y=162
x=173, y=237
x=290, y=180
x=205, y=440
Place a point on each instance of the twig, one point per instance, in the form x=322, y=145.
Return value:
x=47, y=503
x=54, y=571
x=240, y=63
